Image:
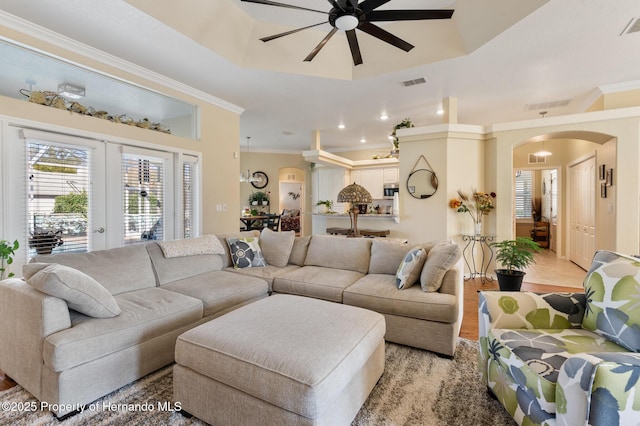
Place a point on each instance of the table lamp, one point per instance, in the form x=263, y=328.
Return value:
x=354, y=194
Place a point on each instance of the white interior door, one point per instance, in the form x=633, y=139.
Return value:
x=583, y=212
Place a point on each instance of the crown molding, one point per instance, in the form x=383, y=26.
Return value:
x=619, y=87
x=32, y=30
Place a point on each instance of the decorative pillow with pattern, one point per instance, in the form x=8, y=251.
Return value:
x=612, y=287
x=410, y=268
x=246, y=253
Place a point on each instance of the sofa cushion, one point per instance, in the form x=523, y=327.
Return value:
x=276, y=246
x=532, y=358
x=118, y=270
x=268, y=273
x=386, y=255
x=612, y=287
x=410, y=268
x=169, y=269
x=299, y=250
x=352, y=254
x=146, y=314
x=206, y=244
x=246, y=252
x=440, y=259
x=316, y=281
x=379, y=293
x=220, y=291
x=81, y=292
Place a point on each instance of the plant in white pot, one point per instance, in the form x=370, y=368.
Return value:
x=325, y=206
x=514, y=256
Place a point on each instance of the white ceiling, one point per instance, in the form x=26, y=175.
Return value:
x=494, y=57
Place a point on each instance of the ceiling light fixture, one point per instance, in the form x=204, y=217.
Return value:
x=249, y=176
x=71, y=91
x=347, y=22
x=543, y=152
x=363, y=140
x=341, y=126
x=440, y=111
x=384, y=116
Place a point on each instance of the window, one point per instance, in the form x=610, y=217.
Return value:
x=189, y=196
x=524, y=193
x=143, y=198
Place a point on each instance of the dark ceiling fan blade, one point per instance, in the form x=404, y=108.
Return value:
x=286, y=33
x=385, y=36
x=273, y=3
x=333, y=3
x=368, y=5
x=354, y=4
x=320, y=45
x=408, y=15
x=354, y=46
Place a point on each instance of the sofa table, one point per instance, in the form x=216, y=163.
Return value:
x=483, y=244
x=281, y=360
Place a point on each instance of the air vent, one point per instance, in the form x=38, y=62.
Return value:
x=413, y=82
x=632, y=27
x=547, y=105
x=537, y=159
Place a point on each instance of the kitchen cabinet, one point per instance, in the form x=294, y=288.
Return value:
x=374, y=179
x=327, y=183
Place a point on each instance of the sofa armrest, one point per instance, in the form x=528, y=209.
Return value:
x=27, y=316
x=599, y=388
x=518, y=310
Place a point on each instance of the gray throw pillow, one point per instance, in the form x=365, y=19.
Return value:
x=440, y=259
x=299, y=250
x=246, y=253
x=409, y=270
x=276, y=246
x=81, y=292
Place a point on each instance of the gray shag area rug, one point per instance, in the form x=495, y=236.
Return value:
x=417, y=388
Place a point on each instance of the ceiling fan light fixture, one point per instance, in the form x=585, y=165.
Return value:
x=347, y=22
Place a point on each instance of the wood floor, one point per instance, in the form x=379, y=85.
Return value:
x=547, y=275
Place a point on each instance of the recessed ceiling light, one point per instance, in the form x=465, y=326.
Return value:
x=440, y=111
x=363, y=140
x=384, y=116
x=341, y=126
x=391, y=138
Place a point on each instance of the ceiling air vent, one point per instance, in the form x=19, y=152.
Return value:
x=632, y=27
x=547, y=105
x=415, y=81
x=537, y=159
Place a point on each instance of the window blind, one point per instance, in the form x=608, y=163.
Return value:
x=58, y=194
x=190, y=218
x=524, y=191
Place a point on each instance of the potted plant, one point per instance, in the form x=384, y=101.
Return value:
x=45, y=240
x=7, y=251
x=258, y=197
x=325, y=206
x=514, y=255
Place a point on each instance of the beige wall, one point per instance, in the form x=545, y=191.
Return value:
x=220, y=133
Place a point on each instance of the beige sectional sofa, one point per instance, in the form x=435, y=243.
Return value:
x=64, y=357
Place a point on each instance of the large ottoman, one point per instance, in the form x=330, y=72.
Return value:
x=283, y=360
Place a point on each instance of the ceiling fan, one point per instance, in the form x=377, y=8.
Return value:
x=349, y=15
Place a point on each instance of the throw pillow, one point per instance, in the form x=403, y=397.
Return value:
x=299, y=250
x=206, y=244
x=440, y=259
x=245, y=252
x=612, y=286
x=81, y=292
x=276, y=246
x=410, y=267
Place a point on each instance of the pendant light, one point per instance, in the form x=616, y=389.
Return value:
x=543, y=152
x=249, y=176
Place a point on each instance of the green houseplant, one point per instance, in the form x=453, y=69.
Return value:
x=514, y=255
x=7, y=251
x=326, y=206
x=258, y=197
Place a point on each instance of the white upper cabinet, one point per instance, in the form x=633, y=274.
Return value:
x=391, y=175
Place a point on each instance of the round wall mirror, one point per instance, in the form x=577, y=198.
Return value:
x=422, y=183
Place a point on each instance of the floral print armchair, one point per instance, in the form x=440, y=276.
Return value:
x=567, y=358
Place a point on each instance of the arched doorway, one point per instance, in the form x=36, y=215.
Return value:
x=291, y=189
x=582, y=221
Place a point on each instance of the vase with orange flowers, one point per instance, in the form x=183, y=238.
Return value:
x=478, y=204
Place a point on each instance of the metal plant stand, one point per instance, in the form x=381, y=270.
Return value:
x=469, y=253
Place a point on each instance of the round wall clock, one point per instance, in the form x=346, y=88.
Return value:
x=263, y=180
